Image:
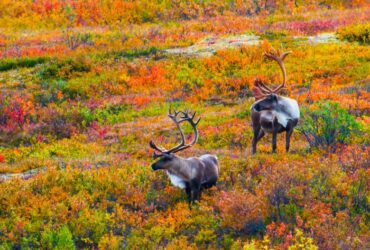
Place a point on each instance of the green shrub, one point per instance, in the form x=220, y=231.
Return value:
x=48, y=238
x=61, y=239
x=355, y=33
x=327, y=125
x=64, y=239
x=7, y=64
x=6, y=246
x=65, y=69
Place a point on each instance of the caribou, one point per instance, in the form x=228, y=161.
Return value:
x=272, y=113
x=192, y=174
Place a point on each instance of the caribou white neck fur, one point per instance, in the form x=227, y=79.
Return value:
x=286, y=109
x=176, y=180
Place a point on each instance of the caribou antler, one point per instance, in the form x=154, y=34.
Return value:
x=260, y=90
x=260, y=86
x=258, y=93
x=185, y=116
x=280, y=60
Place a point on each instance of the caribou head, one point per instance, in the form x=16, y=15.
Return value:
x=192, y=174
x=272, y=113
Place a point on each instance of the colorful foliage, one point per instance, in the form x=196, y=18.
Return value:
x=355, y=33
x=85, y=85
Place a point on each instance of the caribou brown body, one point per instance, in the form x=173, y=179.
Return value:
x=192, y=174
x=272, y=113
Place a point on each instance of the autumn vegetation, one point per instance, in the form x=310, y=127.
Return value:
x=85, y=85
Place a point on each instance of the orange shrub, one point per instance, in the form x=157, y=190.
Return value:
x=241, y=210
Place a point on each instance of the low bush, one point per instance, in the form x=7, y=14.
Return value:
x=61, y=239
x=327, y=125
x=134, y=53
x=7, y=64
x=250, y=210
x=355, y=33
x=74, y=40
x=65, y=69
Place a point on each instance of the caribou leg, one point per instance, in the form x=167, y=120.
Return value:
x=257, y=135
x=289, y=132
x=188, y=192
x=195, y=191
x=274, y=134
x=260, y=135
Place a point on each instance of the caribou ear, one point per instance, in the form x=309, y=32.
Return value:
x=155, y=155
